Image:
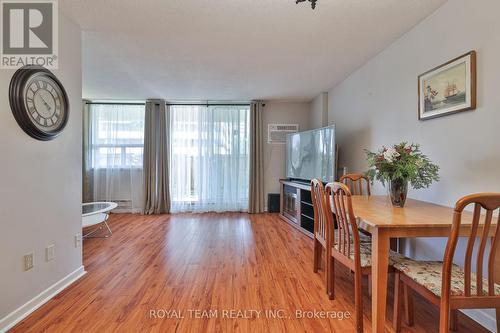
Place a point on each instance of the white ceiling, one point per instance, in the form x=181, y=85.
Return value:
x=232, y=49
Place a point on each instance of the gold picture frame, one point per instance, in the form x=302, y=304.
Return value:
x=448, y=88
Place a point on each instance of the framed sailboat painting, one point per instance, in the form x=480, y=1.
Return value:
x=448, y=88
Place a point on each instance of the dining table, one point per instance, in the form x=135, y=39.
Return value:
x=377, y=216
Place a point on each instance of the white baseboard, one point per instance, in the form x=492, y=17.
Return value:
x=25, y=310
x=483, y=318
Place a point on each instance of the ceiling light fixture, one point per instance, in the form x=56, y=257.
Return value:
x=313, y=2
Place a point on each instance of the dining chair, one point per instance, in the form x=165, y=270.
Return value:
x=448, y=285
x=346, y=246
x=356, y=183
x=320, y=225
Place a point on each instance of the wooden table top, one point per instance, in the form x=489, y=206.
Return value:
x=377, y=212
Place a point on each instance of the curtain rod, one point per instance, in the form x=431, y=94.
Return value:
x=209, y=104
x=170, y=104
x=117, y=103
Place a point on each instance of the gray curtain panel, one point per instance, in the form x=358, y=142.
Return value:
x=156, y=158
x=87, y=189
x=256, y=189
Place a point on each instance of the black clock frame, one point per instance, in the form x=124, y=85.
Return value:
x=18, y=106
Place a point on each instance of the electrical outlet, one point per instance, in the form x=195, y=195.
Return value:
x=28, y=261
x=50, y=252
x=78, y=240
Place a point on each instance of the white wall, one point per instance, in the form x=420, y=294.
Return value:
x=377, y=105
x=40, y=191
x=274, y=154
x=319, y=111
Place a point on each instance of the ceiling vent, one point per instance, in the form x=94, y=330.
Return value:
x=276, y=133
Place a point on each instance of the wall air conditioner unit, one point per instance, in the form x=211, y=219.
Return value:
x=276, y=133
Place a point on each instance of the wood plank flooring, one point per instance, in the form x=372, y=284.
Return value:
x=169, y=266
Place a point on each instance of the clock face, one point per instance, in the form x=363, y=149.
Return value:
x=43, y=98
x=38, y=102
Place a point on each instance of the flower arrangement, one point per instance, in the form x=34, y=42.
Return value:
x=399, y=165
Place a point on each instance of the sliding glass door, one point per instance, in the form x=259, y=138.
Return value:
x=209, y=168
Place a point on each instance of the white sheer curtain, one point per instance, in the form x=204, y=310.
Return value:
x=116, y=142
x=210, y=149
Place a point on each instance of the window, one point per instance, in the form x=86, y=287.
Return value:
x=116, y=136
x=210, y=158
x=209, y=150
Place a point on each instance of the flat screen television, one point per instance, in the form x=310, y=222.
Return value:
x=311, y=154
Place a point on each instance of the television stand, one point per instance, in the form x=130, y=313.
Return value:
x=296, y=207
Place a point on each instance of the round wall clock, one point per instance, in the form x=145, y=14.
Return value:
x=39, y=102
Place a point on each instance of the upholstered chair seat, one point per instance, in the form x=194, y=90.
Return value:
x=365, y=254
x=363, y=238
x=429, y=275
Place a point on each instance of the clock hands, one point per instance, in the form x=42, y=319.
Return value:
x=46, y=104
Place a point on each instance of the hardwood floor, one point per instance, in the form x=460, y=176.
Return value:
x=222, y=262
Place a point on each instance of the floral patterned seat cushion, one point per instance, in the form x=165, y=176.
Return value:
x=363, y=238
x=428, y=274
x=366, y=254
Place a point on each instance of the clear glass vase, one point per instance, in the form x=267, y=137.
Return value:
x=398, y=190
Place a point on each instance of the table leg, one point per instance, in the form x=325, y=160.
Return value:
x=380, y=265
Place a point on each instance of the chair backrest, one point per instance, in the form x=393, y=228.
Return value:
x=339, y=196
x=320, y=219
x=490, y=202
x=355, y=183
